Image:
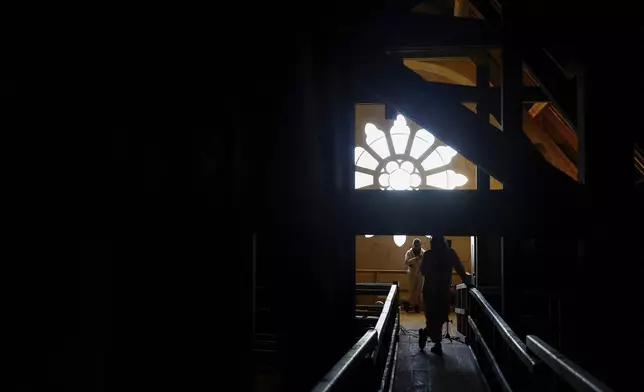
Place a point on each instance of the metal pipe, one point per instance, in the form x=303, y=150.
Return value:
x=577, y=377
x=506, y=332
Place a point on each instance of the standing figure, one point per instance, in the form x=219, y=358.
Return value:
x=413, y=258
x=436, y=268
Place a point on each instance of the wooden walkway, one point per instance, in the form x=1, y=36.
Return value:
x=417, y=370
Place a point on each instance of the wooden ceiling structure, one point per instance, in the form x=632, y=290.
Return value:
x=271, y=156
x=363, y=60
x=389, y=71
x=554, y=70
x=551, y=104
x=315, y=210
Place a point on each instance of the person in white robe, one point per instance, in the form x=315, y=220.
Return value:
x=413, y=258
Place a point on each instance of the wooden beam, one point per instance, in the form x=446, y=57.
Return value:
x=463, y=212
x=526, y=94
x=463, y=93
x=560, y=89
x=491, y=11
x=443, y=52
x=508, y=161
x=423, y=31
x=537, y=108
x=512, y=71
x=564, y=130
x=483, y=114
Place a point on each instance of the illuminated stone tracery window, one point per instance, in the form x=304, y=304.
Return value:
x=403, y=166
x=398, y=163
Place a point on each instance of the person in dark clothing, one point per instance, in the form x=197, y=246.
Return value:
x=436, y=268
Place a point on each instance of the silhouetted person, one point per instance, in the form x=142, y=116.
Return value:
x=436, y=268
x=413, y=257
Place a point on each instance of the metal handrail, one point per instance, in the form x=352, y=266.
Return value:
x=386, y=310
x=365, y=346
x=578, y=378
x=504, y=329
x=393, y=367
x=371, y=342
x=490, y=356
x=386, y=378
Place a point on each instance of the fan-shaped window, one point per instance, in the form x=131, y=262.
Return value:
x=415, y=164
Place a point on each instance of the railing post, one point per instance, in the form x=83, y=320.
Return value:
x=462, y=310
x=468, y=311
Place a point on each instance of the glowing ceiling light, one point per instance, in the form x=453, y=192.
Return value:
x=400, y=240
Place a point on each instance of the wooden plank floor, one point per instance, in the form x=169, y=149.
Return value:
x=419, y=370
